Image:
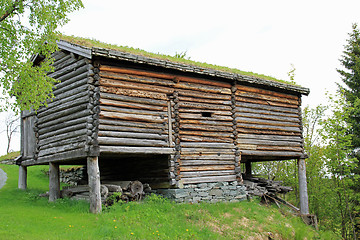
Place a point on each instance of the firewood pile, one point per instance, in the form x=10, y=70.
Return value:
x=257, y=186
x=110, y=193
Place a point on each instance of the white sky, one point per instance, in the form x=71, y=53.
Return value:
x=265, y=37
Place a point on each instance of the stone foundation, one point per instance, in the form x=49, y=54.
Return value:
x=206, y=192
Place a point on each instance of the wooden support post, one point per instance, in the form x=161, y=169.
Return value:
x=94, y=184
x=248, y=171
x=304, y=202
x=22, y=183
x=54, y=181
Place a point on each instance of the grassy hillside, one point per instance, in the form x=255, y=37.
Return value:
x=24, y=215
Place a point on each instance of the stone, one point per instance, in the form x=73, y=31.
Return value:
x=202, y=185
x=216, y=192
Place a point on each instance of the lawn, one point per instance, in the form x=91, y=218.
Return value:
x=24, y=215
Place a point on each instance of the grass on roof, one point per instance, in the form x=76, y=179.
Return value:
x=95, y=43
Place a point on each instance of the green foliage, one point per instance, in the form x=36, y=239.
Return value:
x=24, y=215
x=29, y=27
x=10, y=155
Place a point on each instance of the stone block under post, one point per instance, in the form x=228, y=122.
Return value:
x=94, y=184
x=22, y=181
x=54, y=181
x=303, y=194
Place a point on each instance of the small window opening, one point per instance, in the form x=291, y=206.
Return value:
x=206, y=114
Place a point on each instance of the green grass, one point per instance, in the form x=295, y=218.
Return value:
x=95, y=43
x=10, y=155
x=24, y=215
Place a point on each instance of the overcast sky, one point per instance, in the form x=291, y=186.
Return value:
x=265, y=37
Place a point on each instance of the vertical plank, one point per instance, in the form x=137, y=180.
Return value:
x=170, y=124
x=54, y=182
x=22, y=183
x=94, y=184
x=304, y=202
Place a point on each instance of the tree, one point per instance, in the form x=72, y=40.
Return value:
x=26, y=28
x=351, y=78
x=12, y=127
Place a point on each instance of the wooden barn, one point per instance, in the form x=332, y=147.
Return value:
x=172, y=125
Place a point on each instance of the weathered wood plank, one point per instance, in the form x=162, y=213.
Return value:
x=266, y=122
x=229, y=178
x=202, y=94
x=114, y=108
x=205, y=122
x=185, y=138
x=267, y=132
x=271, y=153
x=266, y=92
x=132, y=129
x=134, y=99
x=270, y=137
x=64, y=136
x=204, y=100
x=115, y=122
x=80, y=114
x=204, y=106
x=267, y=107
x=206, y=145
x=267, y=142
x=206, y=168
x=208, y=157
x=269, y=127
x=205, y=128
x=67, y=112
x=68, y=129
x=270, y=113
x=68, y=69
x=131, y=135
x=62, y=125
x=206, y=173
x=206, y=134
x=247, y=94
x=136, y=150
x=59, y=149
x=206, y=162
x=265, y=102
x=131, y=142
x=132, y=117
x=268, y=117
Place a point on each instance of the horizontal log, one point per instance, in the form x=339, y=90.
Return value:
x=134, y=99
x=268, y=107
x=205, y=139
x=137, y=79
x=279, y=148
x=76, y=154
x=266, y=122
x=268, y=127
x=270, y=137
x=199, y=116
x=77, y=115
x=116, y=84
x=206, y=145
x=68, y=69
x=268, y=117
x=135, y=150
x=82, y=138
x=205, y=128
x=68, y=129
x=204, y=100
x=206, y=168
x=62, y=125
x=206, y=134
x=206, y=162
x=208, y=157
x=65, y=61
x=132, y=129
x=193, y=180
x=113, y=106
x=131, y=105
x=266, y=92
x=165, y=76
x=63, y=113
x=202, y=94
x=265, y=102
x=205, y=151
x=65, y=106
x=69, y=87
x=271, y=153
x=60, y=149
x=204, y=106
x=267, y=142
x=266, y=113
x=115, y=122
x=205, y=122
x=58, y=55
x=131, y=142
x=259, y=96
x=70, y=135
x=132, y=135
x=219, y=113
x=267, y=132
x=133, y=117
x=206, y=173
x=134, y=93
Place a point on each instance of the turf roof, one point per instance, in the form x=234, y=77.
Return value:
x=86, y=42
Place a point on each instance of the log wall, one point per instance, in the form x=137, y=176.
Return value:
x=65, y=128
x=268, y=123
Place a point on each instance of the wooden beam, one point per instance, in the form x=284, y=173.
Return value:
x=94, y=184
x=22, y=183
x=54, y=182
x=304, y=199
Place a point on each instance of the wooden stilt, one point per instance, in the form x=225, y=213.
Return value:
x=304, y=202
x=22, y=183
x=94, y=184
x=54, y=182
